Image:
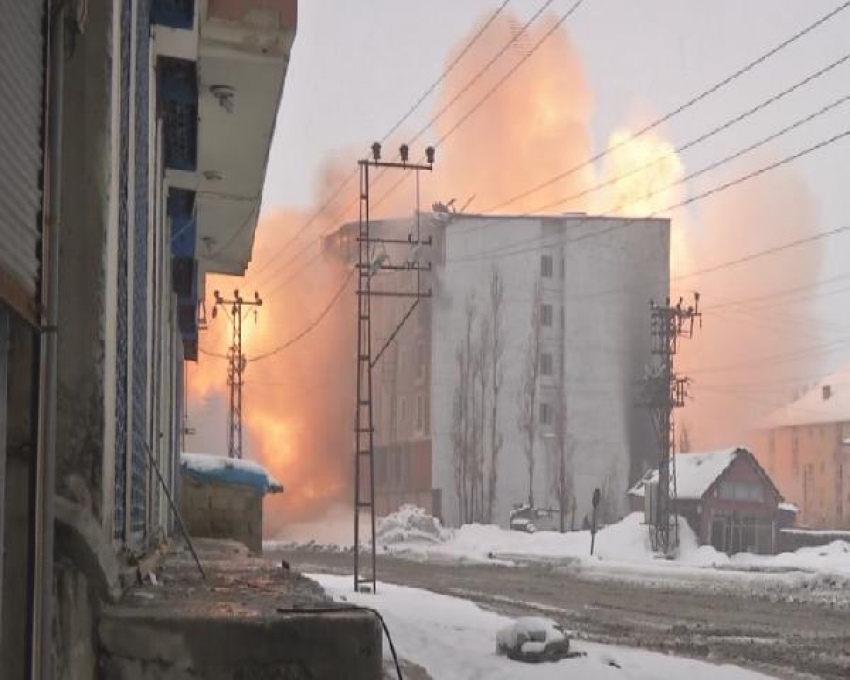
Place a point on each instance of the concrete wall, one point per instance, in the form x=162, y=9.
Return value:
x=811, y=467
x=223, y=511
x=75, y=635
x=608, y=281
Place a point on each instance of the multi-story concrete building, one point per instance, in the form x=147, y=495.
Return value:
x=596, y=277
x=805, y=447
x=135, y=136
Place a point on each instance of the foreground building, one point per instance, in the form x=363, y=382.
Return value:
x=135, y=136
x=575, y=292
x=805, y=446
x=727, y=498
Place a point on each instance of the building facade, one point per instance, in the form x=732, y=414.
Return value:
x=122, y=192
x=726, y=497
x=591, y=281
x=805, y=446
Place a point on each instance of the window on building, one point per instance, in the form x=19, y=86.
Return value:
x=420, y=413
x=546, y=413
x=795, y=450
x=561, y=267
x=741, y=491
x=546, y=266
x=546, y=314
x=402, y=412
x=421, y=364
x=546, y=363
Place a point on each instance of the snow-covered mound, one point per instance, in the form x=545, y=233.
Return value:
x=532, y=639
x=409, y=524
x=627, y=541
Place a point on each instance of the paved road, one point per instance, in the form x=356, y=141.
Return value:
x=799, y=633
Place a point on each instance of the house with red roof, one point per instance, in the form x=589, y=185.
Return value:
x=726, y=496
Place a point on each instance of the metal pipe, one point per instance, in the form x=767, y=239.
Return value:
x=47, y=376
x=176, y=512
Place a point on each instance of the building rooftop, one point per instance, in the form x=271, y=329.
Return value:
x=826, y=402
x=695, y=473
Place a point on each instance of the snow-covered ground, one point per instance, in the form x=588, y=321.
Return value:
x=453, y=639
x=623, y=548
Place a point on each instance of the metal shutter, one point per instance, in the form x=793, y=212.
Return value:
x=21, y=91
x=139, y=472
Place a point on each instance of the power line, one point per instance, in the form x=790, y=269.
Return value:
x=737, y=154
x=445, y=73
x=350, y=177
x=312, y=325
x=681, y=108
x=721, y=128
x=779, y=294
x=496, y=86
x=507, y=251
x=483, y=70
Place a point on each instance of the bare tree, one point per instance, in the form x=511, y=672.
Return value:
x=464, y=435
x=560, y=462
x=527, y=419
x=458, y=442
x=497, y=348
x=481, y=370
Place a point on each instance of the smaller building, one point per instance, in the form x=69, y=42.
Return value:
x=726, y=497
x=223, y=498
x=805, y=446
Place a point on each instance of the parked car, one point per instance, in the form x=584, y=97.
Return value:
x=530, y=519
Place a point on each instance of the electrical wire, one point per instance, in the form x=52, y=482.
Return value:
x=681, y=108
x=463, y=90
x=428, y=91
x=311, y=326
x=566, y=15
x=512, y=249
x=721, y=128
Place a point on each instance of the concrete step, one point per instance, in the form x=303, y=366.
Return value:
x=252, y=620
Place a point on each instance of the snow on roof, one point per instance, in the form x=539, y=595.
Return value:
x=826, y=402
x=789, y=507
x=206, y=468
x=695, y=473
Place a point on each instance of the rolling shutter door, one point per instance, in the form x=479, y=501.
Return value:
x=21, y=91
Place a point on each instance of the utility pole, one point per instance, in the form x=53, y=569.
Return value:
x=236, y=364
x=664, y=391
x=369, y=263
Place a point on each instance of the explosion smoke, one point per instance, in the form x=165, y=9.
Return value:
x=299, y=403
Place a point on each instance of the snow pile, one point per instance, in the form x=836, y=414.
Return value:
x=833, y=558
x=533, y=639
x=452, y=639
x=626, y=541
x=409, y=524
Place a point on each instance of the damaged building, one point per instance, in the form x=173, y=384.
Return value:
x=587, y=283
